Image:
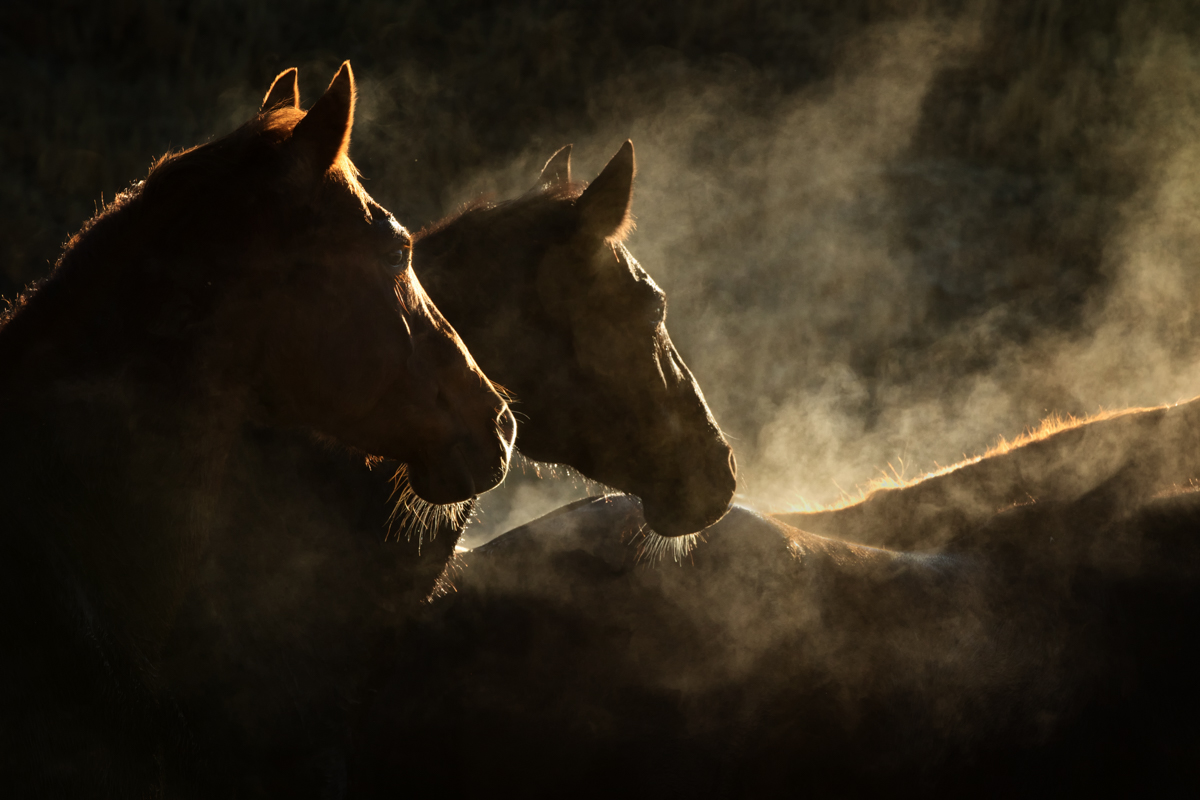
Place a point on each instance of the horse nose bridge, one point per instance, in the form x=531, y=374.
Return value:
x=444, y=347
x=469, y=395
x=688, y=434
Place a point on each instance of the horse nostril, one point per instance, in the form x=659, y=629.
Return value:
x=732, y=464
x=506, y=426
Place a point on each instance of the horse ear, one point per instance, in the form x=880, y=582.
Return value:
x=283, y=92
x=557, y=170
x=324, y=133
x=604, y=205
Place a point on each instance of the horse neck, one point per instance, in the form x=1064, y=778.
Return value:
x=115, y=467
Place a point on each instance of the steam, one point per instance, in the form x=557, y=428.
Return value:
x=963, y=224
x=861, y=303
x=529, y=491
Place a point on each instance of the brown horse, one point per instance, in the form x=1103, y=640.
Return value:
x=249, y=280
x=1147, y=451
x=557, y=310
x=317, y=594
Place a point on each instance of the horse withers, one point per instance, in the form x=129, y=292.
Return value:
x=248, y=280
x=1145, y=451
x=556, y=309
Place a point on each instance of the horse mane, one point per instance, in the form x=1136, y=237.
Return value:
x=542, y=203
x=201, y=172
x=534, y=204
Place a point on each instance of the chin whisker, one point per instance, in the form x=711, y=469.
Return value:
x=413, y=516
x=653, y=548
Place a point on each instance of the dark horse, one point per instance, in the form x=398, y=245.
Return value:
x=1028, y=632
x=557, y=310
x=249, y=281
x=1145, y=451
x=287, y=627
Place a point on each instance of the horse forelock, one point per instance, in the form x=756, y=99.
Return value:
x=433, y=228
x=277, y=125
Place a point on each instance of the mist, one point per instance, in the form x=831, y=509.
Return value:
x=865, y=299
x=890, y=232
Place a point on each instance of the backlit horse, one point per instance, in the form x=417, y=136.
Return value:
x=248, y=281
x=1144, y=451
x=557, y=310
x=287, y=624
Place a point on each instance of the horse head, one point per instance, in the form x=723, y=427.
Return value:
x=557, y=309
x=321, y=314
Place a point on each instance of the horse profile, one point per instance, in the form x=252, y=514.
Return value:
x=314, y=595
x=556, y=309
x=248, y=281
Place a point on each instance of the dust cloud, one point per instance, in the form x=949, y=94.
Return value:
x=884, y=271
x=890, y=232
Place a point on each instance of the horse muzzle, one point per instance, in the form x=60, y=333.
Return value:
x=700, y=498
x=469, y=466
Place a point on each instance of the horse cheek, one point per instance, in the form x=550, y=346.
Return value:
x=311, y=363
x=356, y=365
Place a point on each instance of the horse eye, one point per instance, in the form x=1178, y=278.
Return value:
x=397, y=256
x=397, y=260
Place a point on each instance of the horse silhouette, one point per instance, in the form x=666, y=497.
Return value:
x=557, y=310
x=250, y=280
x=306, y=604
x=1022, y=648
x=1146, y=451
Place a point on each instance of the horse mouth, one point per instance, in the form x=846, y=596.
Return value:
x=696, y=501
x=672, y=520
x=443, y=480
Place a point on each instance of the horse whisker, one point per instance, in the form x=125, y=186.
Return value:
x=412, y=515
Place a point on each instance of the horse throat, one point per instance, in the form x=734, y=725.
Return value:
x=115, y=456
x=125, y=496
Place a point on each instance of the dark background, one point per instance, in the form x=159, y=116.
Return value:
x=890, y=231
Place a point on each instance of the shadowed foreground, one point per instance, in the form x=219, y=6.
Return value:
x=1044, y=650
x=183, y=315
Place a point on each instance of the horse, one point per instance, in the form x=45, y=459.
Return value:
x=1146, y=449
x=556, y=308
x=289, y=628
x=1024, y=648
x=247, y=281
